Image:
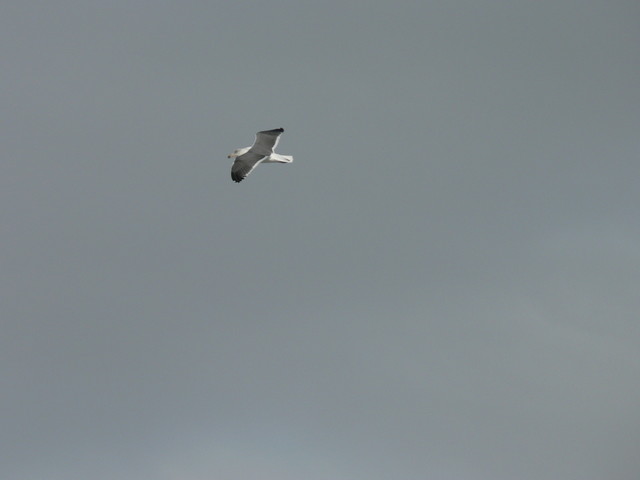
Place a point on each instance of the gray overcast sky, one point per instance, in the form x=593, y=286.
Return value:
x=443, y=285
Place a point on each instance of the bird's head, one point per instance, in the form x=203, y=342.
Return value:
x=238, y=151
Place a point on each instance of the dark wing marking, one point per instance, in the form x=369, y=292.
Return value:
x=244, y=165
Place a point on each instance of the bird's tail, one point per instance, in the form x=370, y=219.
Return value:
x=274, y=157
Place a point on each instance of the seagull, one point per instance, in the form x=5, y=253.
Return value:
x=261, y=151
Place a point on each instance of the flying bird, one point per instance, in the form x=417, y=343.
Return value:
x=248, y=158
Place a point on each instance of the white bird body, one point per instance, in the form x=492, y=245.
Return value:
x=262, y=151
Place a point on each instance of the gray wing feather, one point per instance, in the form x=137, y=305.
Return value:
x=266, y=141
x=244, y=165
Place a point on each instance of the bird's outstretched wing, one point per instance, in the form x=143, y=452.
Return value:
x=266, y=141
x=244, y=165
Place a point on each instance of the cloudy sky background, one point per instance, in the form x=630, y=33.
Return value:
x=444, y=284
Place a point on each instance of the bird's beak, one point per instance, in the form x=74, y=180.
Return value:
x=230, y=156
